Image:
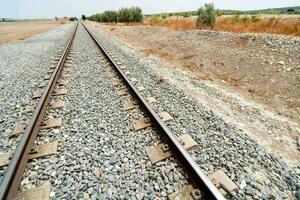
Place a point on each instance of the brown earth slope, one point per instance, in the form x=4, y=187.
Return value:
x=262, y=67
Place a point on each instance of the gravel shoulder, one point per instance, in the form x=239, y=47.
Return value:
x=225, y=141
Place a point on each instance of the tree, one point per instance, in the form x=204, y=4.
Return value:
x=136, y=14
x=124, y=14
x=73, y=19
x=187, y=14
x=133, y=14
x=111, y=16
x=83, y=17
x=164, y=15
x=207, y=15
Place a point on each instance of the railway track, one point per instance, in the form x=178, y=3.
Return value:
x=201, y=186
x=14, y=173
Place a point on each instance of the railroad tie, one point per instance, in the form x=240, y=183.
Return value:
x=224, y=184
x=42, y=192
x=46, y=124
x=122, y=93
x=143, y=123
x=129, y=105
x=28, y=109
x=163, y=151
x=39, y=152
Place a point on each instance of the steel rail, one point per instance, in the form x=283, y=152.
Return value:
x=198, y=177
x=14, y=173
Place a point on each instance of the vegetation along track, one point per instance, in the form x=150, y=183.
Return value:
x=26, y=147
x=201, y=186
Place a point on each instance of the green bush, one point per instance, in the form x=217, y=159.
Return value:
x=235, y=18
x=207, y=15
x=164, y=15
x=73, y=19
x=187, y=14
x=244, y=19
x=238, y=19
x=137, y=14
x=219, y=13
x=133, y=14
x=255, y=18
x=124, y=15
x=110, y=16
x=154, y=17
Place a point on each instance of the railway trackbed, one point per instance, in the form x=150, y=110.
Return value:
x=26, y=148
x=202, y=186
x=128, y=92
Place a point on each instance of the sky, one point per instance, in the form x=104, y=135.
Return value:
x=51, y=8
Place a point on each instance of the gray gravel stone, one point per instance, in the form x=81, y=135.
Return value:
x=22, y=65
x=99, y=152
x=221, y=145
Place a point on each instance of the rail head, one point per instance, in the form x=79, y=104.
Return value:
x=14, y=173
x=197, y=175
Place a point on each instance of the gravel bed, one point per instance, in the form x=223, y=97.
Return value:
x=258, y=173
x=278, y=43
x=22, y=66
x=99, y=154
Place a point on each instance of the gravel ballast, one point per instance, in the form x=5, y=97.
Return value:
x=221, y=145
x=22, y=66
x=99, y=155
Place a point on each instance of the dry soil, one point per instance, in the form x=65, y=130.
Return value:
x=14, y=31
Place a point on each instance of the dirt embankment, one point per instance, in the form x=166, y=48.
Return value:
x=14, y=31
x=262, y=67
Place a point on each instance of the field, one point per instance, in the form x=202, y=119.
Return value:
x=14, y=31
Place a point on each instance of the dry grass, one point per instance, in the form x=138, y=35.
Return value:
x=285, y=26
x=276, y=25
x=178, y=25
